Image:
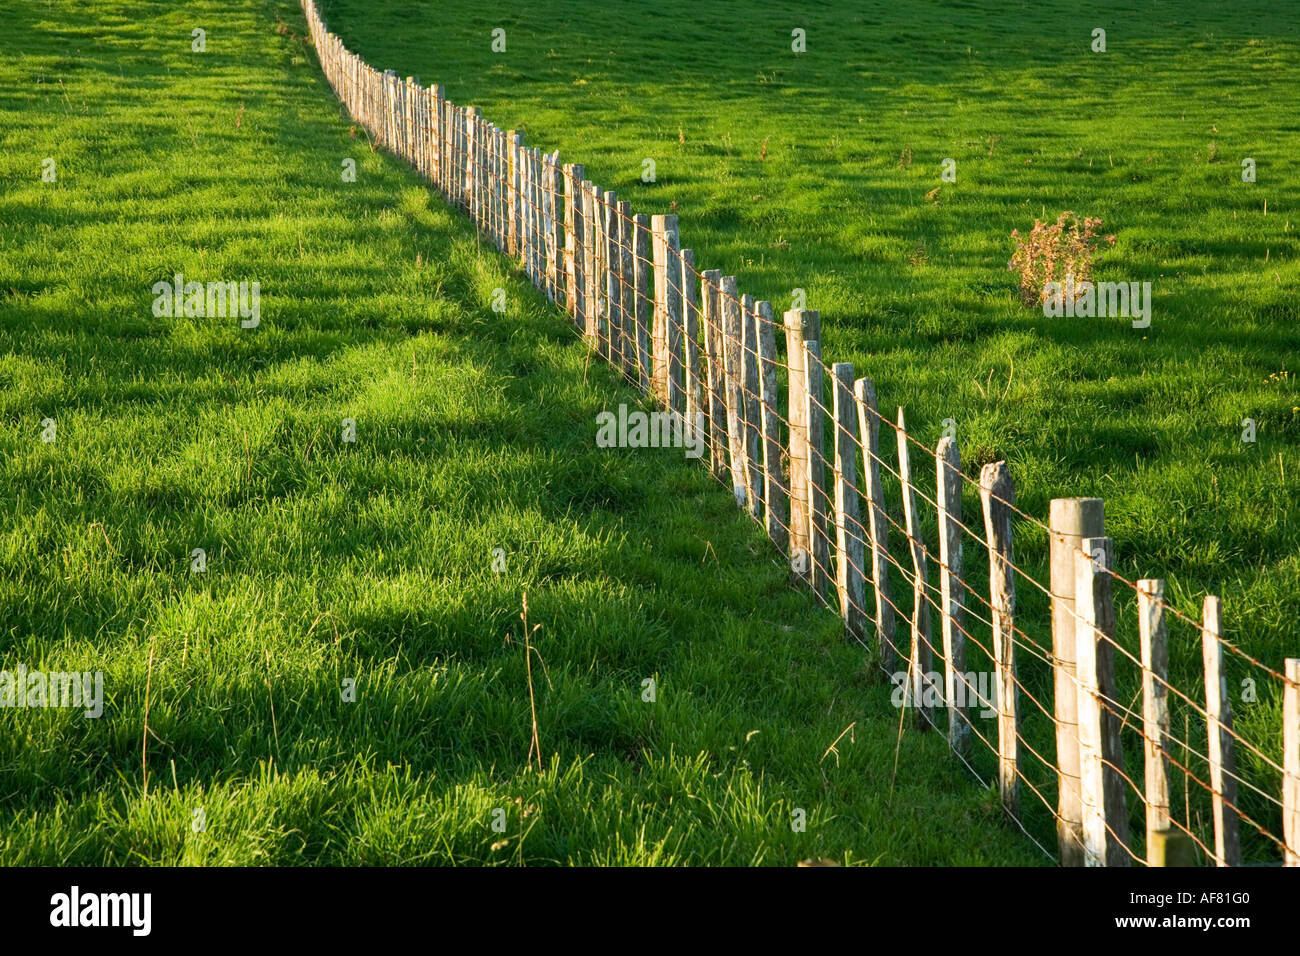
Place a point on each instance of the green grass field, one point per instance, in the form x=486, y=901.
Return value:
x=372, y=562
x=822, y=171
x=1149, y=136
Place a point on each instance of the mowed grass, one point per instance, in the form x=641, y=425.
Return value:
x=822, y=170
x=330, y=562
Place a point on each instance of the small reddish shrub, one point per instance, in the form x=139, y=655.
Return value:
x=1052, y=252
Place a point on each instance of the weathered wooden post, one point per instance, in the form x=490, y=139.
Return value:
x=573, y=275
x=1070, y=520
x=1170, y=848
x=952, y=593
x=997, y=494
x=849, y=544
x=599, y=263
x=644, y=267
x=593, y=313
x=801, y=326
x=753, y=422
x=538, y=224
x=1101, y=757
x=1152, y=631
x=864, y=391
x=436, y=108
x=921, y=665
x=627, y=290
x=733, y=337
x=774, y=491
x=556, y=240
x=668, y=311
x=610, y=259
x=1291, y=762
x=1222, y=752
x=516, y=198
x=819, y=539
x=676, y=333
x=715, y=353
x=574, y=243
x=691, y=339
x=471, y=164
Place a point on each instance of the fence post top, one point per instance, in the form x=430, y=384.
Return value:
x=996, y=478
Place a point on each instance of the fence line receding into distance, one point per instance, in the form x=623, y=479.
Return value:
x=1054, y=718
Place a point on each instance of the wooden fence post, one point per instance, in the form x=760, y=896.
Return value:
x=753, y=422
x=605, y=332
x=414, y=138
x=462, y=158
x=490, y=178
x=573, y=173
x=471, y=166
x=1171, y=848
x=864, y=391
x=597, y=307
x=390, y=115
x=544, y=228
x=528, y=248
x=676, y=332
x=455, y=175
x=476, y=162
x=482, y=178
x=527, y=225
x=593, y=313
x=733, y=338
x=715, y=353
x=1152, y=631
x=487, y=189
x=1291, y=763
x=921, y=663
x=435, y=116
x=627, y=289
x=538, y=226
x=1101, y=758
x=555, y=237
x=801, y=326
x=527, y=235
x=574, y=243
x=997, y=494
x=774, y=491
x=610, y=259
x=952, y=592
x=1070, y=520
x=819, y=540
x=668, y=313
x=488, y=181
x=1222, y=752
x=516, y=204
x=849, y=539
x=644, y=267
x=691, y=341
x=405, y=87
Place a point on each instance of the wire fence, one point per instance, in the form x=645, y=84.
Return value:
x=1042, y=688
